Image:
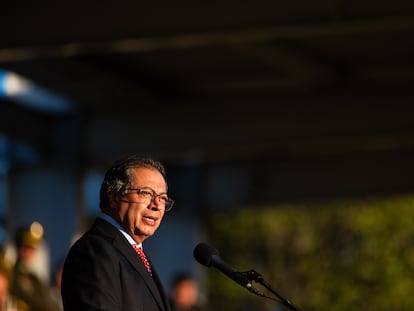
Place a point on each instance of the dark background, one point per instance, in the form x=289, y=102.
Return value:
x=319, y=92
x=246, y=102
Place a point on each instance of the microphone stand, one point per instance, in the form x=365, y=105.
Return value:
x=252, y=275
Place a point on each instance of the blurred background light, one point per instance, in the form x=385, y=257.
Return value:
x=29, y=94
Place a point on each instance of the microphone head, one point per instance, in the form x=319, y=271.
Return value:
x=203, y=253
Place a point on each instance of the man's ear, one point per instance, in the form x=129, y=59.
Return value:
x=113, y=200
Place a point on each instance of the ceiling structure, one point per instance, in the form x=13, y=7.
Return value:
x=314, y=98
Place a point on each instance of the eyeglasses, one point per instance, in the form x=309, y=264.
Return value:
x=146, y=195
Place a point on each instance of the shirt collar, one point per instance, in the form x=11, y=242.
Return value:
x=113, y=222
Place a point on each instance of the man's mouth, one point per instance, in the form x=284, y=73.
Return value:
x=149, y=220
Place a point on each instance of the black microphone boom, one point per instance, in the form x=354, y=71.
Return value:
x=208, y=256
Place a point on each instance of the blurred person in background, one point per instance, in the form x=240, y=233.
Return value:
x=7, y=258
x=106, y=268
x=185, y=294
x=32, y=291
x=7, y=301
x=56, y=283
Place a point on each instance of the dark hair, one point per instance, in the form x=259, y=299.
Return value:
x=120, y=176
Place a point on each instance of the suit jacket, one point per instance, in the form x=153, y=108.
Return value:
x=103, y=272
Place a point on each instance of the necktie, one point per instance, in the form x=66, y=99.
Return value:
x=143, y=257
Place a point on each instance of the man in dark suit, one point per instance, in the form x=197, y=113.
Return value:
x=103, y=270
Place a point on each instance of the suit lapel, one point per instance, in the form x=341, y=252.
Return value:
x=119, y=241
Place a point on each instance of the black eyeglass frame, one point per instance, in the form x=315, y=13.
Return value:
x=142, y=191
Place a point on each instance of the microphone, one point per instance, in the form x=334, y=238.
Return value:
x=208, y=256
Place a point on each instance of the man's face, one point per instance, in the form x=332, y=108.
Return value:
x=185, y=294
x=141, y=219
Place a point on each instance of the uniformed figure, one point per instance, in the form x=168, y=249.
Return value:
x=33, y=293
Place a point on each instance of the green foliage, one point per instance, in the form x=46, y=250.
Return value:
x=339, y=256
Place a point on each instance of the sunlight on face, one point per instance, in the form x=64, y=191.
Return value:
x=142, y=219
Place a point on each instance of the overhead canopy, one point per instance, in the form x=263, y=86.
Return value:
x=318, y=93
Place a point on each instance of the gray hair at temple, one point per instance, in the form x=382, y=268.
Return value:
x=120, y=176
